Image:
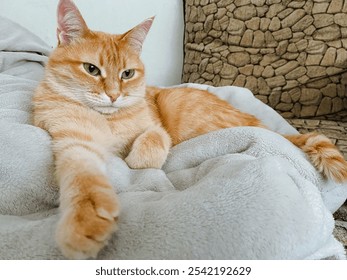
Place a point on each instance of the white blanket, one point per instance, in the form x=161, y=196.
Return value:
x=238, y=193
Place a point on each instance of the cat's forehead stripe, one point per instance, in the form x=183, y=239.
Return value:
x=101, y=59
x=108, y=53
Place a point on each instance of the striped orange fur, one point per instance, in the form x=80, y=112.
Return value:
x=323, y=154
x=94, y=103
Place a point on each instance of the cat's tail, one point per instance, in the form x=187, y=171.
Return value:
x=323, y=154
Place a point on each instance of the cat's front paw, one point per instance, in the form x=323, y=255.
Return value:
x=86, y=226
x=146, y=160
x=150, y=149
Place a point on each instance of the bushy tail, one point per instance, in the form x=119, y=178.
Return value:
x=323, y=154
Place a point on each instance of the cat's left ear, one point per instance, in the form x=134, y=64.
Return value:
x=136, y=36
x=71, y=24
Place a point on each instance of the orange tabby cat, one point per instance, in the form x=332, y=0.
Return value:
x=94, y=103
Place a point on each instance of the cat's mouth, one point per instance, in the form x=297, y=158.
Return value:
x=106, y=110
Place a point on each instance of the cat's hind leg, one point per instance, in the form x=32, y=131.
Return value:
x=323, y=154
x=150, y=149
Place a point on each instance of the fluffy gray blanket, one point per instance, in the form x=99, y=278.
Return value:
x=239, y=193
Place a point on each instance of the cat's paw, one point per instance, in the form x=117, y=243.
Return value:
x=150, y=149
x=136, y=160
x=86, y=226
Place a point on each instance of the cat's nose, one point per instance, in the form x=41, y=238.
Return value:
x=113, y=97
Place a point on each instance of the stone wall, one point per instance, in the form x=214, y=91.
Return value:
x=291, y=54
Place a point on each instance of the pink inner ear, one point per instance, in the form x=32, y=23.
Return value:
x=70, y=22
x=62, y=37
x=146, y=25
x=63, y=9
x=138, y=34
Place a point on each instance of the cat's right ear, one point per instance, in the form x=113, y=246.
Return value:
x=71, y=24
x=136, y=36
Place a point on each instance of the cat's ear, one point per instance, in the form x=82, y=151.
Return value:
x=136, y=36
x=71, y=24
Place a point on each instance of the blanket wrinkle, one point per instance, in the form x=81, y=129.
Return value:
x=217, y=197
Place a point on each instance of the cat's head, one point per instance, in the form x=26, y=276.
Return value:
x=100, y=70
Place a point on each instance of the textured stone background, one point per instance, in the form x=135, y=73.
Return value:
x=291, y=54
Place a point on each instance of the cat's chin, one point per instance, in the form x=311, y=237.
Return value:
x=106, y=110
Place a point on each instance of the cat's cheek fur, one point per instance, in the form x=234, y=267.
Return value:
x=126, y=101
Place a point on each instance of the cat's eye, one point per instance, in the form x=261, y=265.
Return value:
x=128, y=74
x=91, y=69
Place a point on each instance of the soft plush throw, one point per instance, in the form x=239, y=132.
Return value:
x=238, y=193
